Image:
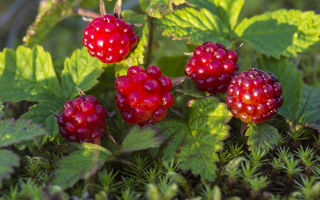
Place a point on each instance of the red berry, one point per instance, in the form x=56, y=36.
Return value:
x=83, y=119
x=212, y=67
x=108, y=38
x=143, y=95
x=254, y=96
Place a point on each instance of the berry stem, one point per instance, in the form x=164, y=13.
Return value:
x=81, y=93
x=243, y=128
x=177, y=81
x=86, y=13
x=117, y=8
x=54, y=114
x=102, y=8
x=150, y=41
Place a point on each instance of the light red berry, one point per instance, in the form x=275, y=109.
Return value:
x=254, y=96
x=212, y=67
x=143, y=96
x=109, y=38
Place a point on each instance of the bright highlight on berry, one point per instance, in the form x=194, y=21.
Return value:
x=212, y=67
x=82, y=119
x=109, y=38
x=254, y=96
x=143, y=96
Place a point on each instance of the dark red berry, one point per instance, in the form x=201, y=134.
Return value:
x=83, y=119
x=212, y=67
x=108, y=38
x=143, y=96
x=254, y=96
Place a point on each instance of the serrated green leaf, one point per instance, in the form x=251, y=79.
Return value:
x=281, y=32
x=198, y=139
x=46, y=20
x=80, y=164
x=266, y=35
x=291, y=87
x=28, y=74
x=8, y=161
x=262, y=136
x=207, y=4
x=159, y=8
x=229, y=11
x=15, y=131
x=196, y=26
x=140, y=139
x=81, y=70
x=310, y=107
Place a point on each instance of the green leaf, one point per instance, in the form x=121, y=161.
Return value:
x=81, y=70
x=207, y=4
x=266, y=35
x=310, y=107
x=28, y=74
x=46, y=20
x=262, y=136
x=227, y=10
x=196, y=26
x=283, y=32
x=291, y=87
x=8, y=161
x=140, y=139
x=199, y=138
x=16, y=131
x=159, y=8
x=80, y=164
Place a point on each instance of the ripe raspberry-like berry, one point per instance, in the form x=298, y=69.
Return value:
x=212, y=67
x=254, y=96
x=143, y=96
x=109, y=38
x=82, y=119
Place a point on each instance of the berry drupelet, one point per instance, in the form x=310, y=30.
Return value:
x=254, y=96
x=212, y=67
x=82, y=120
x=109, y=38
x=143, y=96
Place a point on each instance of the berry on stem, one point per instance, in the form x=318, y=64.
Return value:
x=82, y=119
x=254, y=96
x=212, y=67
x=143, y=96
x=110, y=39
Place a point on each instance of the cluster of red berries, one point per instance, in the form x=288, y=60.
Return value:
x=109, y=38
x=143, y=95
x=212, y=67
x=82, y=119
x=254, y=96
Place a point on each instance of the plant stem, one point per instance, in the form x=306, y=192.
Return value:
x=243, y=128
x=150, y=41
x=117, y=8
x=86, y=13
